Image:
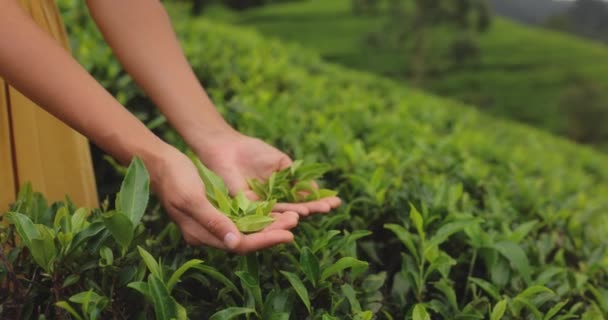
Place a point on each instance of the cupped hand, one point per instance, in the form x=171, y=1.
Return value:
x=238, y=158
x=176, y=181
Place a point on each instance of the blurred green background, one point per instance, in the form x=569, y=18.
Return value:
x=541, y=62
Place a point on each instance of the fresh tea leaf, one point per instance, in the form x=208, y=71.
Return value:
x=134, y=192
x=231, y=313
x=299, y=287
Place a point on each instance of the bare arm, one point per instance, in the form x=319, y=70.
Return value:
x=141, y=36
x=40, y=68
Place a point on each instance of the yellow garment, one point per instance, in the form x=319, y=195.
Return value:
x=36, y=147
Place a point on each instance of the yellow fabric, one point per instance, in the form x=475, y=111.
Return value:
x=35, y=147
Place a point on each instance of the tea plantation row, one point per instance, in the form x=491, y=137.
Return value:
x=447, y=214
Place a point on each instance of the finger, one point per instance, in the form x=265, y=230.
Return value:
x=284, y=163
x=283, y=221
x=217, y=224
x=262, y=240
x=192, y=232
x=251, y=195
x=333, y=202
x=297, y=207
x=318, y=206
x=235, y=183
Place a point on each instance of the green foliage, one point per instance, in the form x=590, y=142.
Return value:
x=521, y=74
x=293, y=184
x=447, y=213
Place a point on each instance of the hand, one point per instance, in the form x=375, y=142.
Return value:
x=177, y=183
x=238, y=158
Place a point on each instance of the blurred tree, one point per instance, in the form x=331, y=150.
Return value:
x=435, y=34
x=586, y=104
x=366, y=7
x=587, y=18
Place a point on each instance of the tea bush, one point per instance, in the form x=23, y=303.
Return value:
x=448, y=214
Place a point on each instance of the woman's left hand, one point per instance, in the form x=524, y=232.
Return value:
x=238, y=158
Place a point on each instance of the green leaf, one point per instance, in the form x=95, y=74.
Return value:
x=420, y=313
x=120, y=227
x=134, y=192
x=213, y=273
x=351, y=296
x=107, y=256
x=180, y=271
x=299, y=287
x=405, y=237
x=79, y=220
x=86, y=297
x=554, y=310
x=532, y=291
x=340, y=265
x=164, y=305
x=253, y=223
x=150, y=262
x=211, y=180
x=141, y=287
x=449, y=229
x=66, y=306
x=231, y=313
x=516, y=255
x=25, y=227
x=70, y=280
x=416, y=218
x=487, y=287
x=310, y=265
x=43, y=248
x=499, y=310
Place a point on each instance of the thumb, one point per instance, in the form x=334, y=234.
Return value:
x=219, y=225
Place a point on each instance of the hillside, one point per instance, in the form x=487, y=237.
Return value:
x=448, y=213
x=532, y=12
x=524, y=73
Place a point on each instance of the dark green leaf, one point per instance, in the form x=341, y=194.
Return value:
x=299, y=287
x=134, y=192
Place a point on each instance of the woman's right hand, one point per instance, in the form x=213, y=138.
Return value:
x=176, y=181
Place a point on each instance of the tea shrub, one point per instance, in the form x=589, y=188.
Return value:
x=448, y=214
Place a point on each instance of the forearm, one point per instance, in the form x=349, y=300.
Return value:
x=35, y=64
x=141, y=36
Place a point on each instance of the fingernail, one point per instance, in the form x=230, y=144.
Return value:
x=231, y=241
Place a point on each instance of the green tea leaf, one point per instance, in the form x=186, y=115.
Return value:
x=416, y=218
x=134, y=192
x=253, y=223
x=43, y=248
x=120, y=226
x=499, y=310
x=180, y=271
x=487, y=287
x=150, y=262
x=299, y=287
x=79, y=220
x=420, y=313
x=141, y=287
x=340, y=265
x=516, y=255
x=164, y=306
x=66, y=306
x=213, y=273
x=351, y=296
x=310, y=265
x=86, y=297
x=25, y=227
x=555, y=310
x=231, y=313
x=405, y=237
